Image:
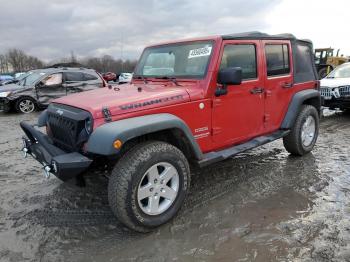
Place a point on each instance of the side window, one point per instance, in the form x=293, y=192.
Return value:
x=243, y=56
x=52, y=80
x=89, y=77
x=74, y=77
x=277, y=59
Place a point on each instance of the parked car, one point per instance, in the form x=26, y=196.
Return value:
x=125, y=78
x=5, y=78
x=15, y=80
x=109, y=76
x=335, y=88
x=7, y=82
x=226, y=94
x=40, y=87
x=19, y=74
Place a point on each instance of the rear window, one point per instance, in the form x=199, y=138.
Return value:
x=74, y=76
x=277, y=59
x=303, y=63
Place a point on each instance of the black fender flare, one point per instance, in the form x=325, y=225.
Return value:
x=42, y=119
x=298, y=99
x=102, y=138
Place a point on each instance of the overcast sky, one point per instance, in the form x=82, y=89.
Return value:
x=52, y=29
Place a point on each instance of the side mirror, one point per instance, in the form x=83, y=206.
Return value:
x=230, y=76
x=40, y=84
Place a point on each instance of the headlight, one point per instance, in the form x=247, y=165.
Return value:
x=88, y=125
x=5, y=94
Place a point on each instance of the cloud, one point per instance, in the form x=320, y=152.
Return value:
x=325, y=23
x=52, y=29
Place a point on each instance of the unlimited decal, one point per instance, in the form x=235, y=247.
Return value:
x=151, y=102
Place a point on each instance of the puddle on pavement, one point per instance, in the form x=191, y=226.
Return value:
x=263, y=205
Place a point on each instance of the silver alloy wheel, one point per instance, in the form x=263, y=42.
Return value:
x=26, y=106
x=158, y=188
x=308, y=131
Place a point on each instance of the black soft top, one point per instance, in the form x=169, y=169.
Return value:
x=303, y=58
x=263, y=36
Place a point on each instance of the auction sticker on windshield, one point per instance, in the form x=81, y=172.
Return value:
x=204, y=51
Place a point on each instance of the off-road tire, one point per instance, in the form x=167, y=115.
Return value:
x=22, y=99
x=293, y=141
x=128, y=173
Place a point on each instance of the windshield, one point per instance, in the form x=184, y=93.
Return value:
x=185, y=60
x=30, y=79
x=342, y=71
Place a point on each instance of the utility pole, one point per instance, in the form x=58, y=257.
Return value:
x=121, y=50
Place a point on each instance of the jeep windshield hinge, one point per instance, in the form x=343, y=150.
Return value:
x=107, y=114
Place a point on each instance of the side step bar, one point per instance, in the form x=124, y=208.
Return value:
x=213, y=157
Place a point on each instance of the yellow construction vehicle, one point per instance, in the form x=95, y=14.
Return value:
x=326, y=61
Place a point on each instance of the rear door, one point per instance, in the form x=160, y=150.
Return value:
x=74, y=82
x=238, y=115
x=278, y=81
x=92, y=80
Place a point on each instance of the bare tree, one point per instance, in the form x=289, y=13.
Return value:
x=4, y=65
x=20, y=61
x=17, y=59
x=108, y=64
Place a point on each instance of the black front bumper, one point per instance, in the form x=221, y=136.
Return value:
x=54, y=160
x=342, y=103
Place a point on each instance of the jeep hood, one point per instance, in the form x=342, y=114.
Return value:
x=335, y=82
x=127, y=98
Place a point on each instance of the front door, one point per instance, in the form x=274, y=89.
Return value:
x=239, y=115
x=49, y=88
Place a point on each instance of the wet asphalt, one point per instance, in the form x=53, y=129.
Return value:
x=263, y=205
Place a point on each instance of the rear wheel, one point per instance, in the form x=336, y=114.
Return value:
x=304, y=133
x=25, y=105
x=148, y=185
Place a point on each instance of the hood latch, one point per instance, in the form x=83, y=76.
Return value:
x=107, y=114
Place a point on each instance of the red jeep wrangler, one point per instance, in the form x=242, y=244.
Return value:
x=195, y=101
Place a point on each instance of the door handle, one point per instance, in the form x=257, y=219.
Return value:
x=287, y=85
x=257, y=90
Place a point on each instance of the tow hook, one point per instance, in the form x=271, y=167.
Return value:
x=47, y=172
x=25, y=152
x=24, y=149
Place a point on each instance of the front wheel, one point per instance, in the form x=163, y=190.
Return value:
x=148, y=185
x=304, y=133
x=25, y=105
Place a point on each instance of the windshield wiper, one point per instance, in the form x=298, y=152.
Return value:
x=144, y=79
x=171, y=78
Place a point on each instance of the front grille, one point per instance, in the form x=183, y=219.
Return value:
x=63, y=131
x=67, y=126
x=326, y=92
x=344, y=91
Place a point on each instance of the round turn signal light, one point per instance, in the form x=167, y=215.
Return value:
x=117, y=144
